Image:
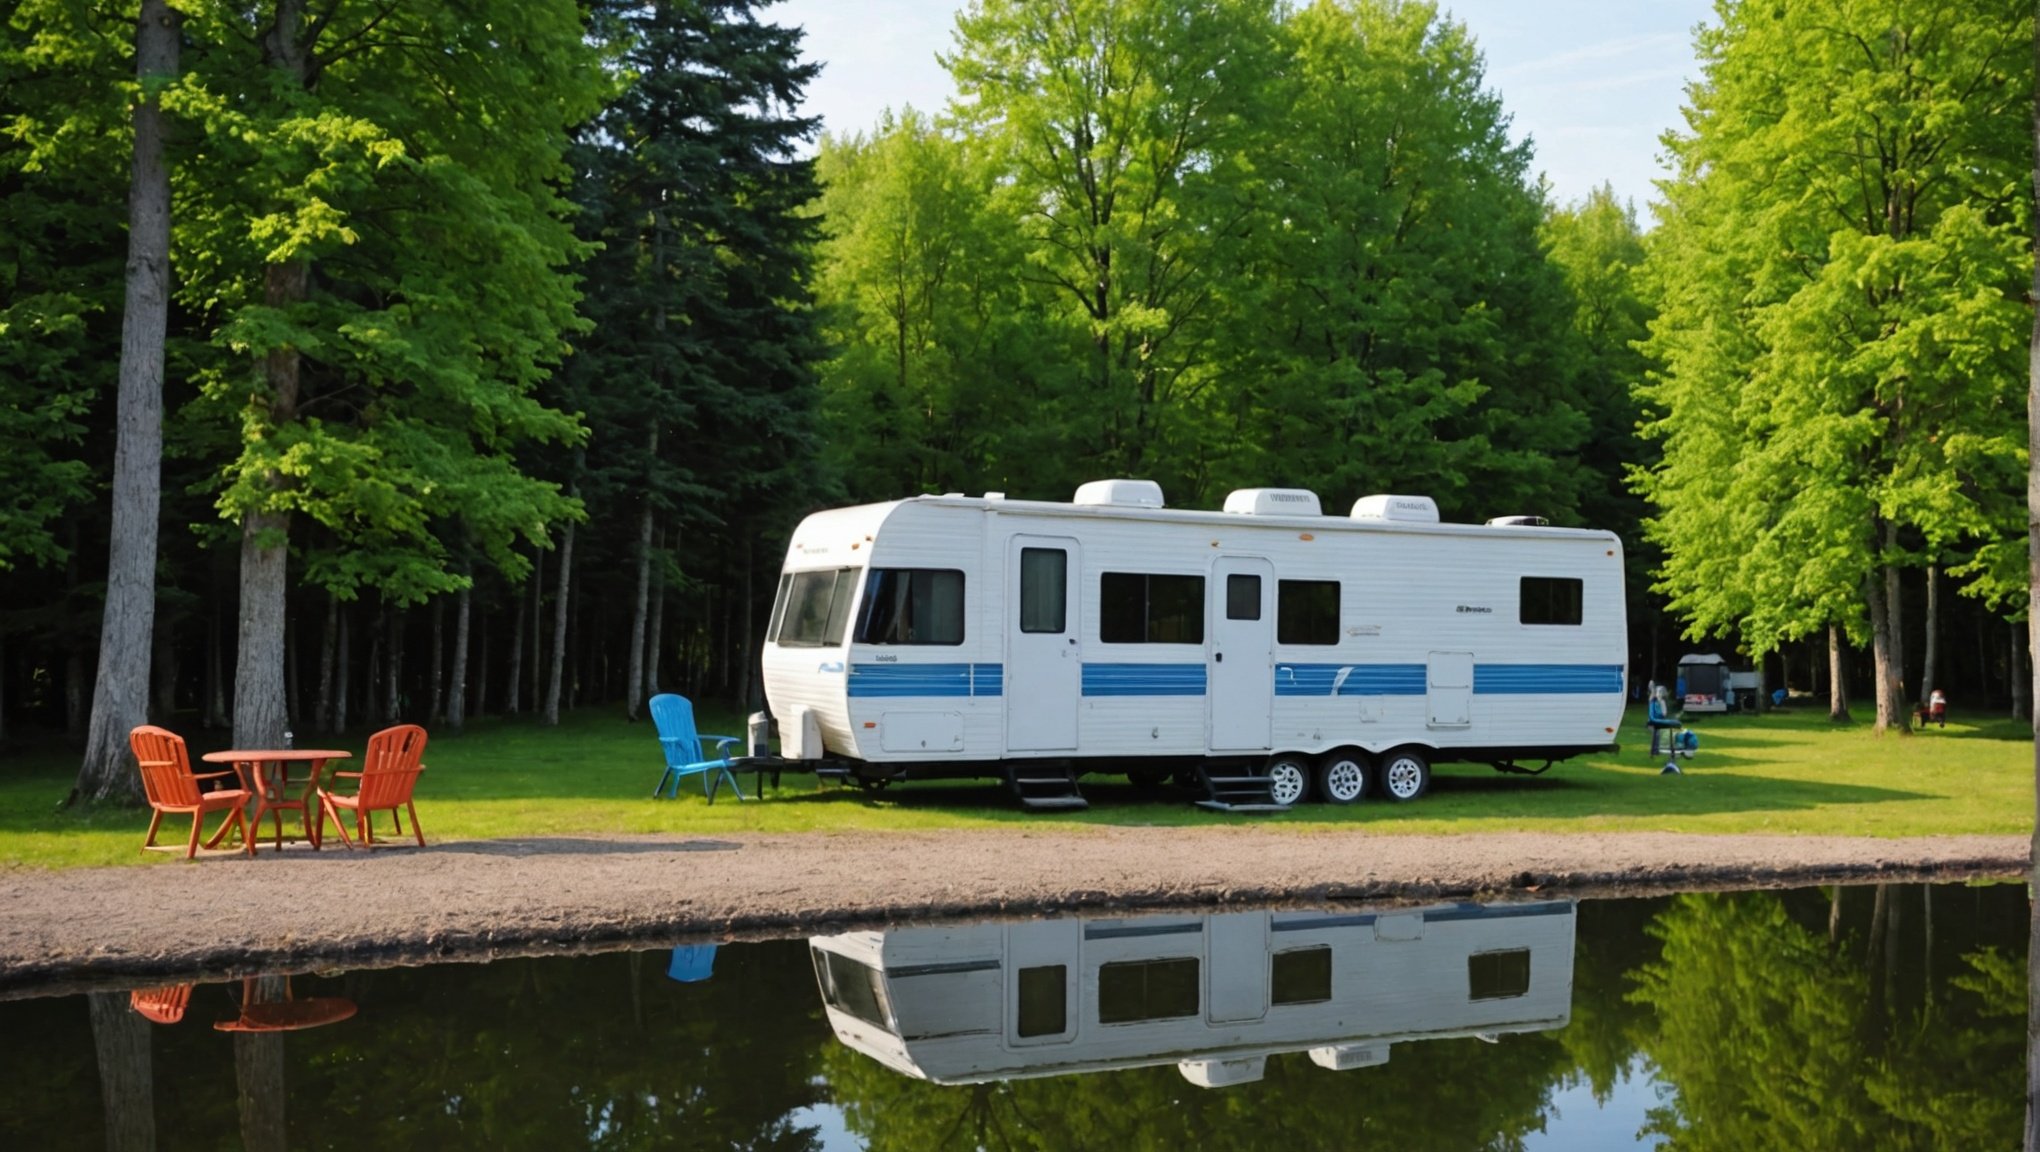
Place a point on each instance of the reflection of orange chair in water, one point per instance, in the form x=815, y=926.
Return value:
x=161, y=1005
x=285, y=1015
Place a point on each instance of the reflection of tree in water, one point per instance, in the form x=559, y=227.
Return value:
x=1776, y=1038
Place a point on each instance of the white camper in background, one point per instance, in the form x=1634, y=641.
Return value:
x=1215, y=995
x=1267, y=645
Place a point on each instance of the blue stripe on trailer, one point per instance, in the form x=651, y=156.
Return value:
x=988, y=679
x=1144, y=680
x=1349, y=680
x=1547, y=679
x=890, y=680
x=870, y=680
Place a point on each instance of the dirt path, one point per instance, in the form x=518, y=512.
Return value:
x=119, y=927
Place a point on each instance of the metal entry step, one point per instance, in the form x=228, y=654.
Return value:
x=1045, y=787
x=1237, y=792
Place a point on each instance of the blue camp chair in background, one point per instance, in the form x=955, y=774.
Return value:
x=691, y=963
x=673, y=716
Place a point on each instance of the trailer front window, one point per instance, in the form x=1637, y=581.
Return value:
x=912, y=606
x=817, y=608
x=852, y=987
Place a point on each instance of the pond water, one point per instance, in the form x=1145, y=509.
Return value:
x=1887, y=1017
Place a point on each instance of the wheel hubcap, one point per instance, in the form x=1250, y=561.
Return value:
x=1287, y=783
x=1403, y=778
x=1345, y=780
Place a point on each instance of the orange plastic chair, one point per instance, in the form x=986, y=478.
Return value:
x=389, y=770
x=171, y=787
x=161, y=1005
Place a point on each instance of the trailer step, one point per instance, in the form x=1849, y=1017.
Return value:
x=1237, y=793
x=1041, y=792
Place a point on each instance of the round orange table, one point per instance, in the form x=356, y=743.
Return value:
x=266, y=773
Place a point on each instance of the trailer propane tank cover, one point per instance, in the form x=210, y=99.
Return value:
x=759, y=731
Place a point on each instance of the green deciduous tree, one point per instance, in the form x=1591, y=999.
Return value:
x=1122, y=132
x=377, y=238
x=1839, y=267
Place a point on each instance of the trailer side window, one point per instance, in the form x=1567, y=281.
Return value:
x=1498, y=975
x=912, y=606
x=1044, y=1001
x=778, y=606
x=1044, y=590
x=817, y=608
x=1143, y=608
x=1147, y=990
x=1307, y=611
x=1552, y=600
x=1301, y=976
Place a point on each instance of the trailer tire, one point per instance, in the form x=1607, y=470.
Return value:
x=1405, y=775
x=1288, y=779
x=1343, y=776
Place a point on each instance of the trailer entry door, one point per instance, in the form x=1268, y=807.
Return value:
x=1242, y=657
x=1044, y=662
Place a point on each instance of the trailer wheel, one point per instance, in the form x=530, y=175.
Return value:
x=1342, y=777
x=1288, y=779
x=1405, y=774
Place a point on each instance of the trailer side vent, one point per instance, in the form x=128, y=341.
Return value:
x=1519, y=522
x=1408, y=509
x=1120, y=493
x=1274, y=502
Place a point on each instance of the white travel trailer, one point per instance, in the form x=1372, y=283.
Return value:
x=1267, y=646
x=1215, y=995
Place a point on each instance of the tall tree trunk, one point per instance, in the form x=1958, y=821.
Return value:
x=163, y=670
x=2033, y=628
x=1932, y=646
x=120, y=689
x=746, y=611
x=559, y=638
x=654, y=641
x=215, y=661
x=2021, y=686
x=437, y=711
x=127, y=1077
x=75, y=714
x=482, y=670
x=1838, y=678
x=537, y=627
x=291, y=656
x=513, y=685
x=322, y=718
x=393, y=676
x=640, y=609
x=1883, y=647
x=456, y=689
x=371, y=675
x=341, y=667
x=259, y=719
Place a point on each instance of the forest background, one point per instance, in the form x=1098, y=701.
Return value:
x=496, y=350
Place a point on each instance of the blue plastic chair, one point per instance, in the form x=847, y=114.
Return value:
x=673, y=716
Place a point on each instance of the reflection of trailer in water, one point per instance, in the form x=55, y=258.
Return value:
x=1214, y=995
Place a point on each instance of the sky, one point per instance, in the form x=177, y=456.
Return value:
x=1594, y=83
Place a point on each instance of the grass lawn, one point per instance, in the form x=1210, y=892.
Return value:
x=1789, y=773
